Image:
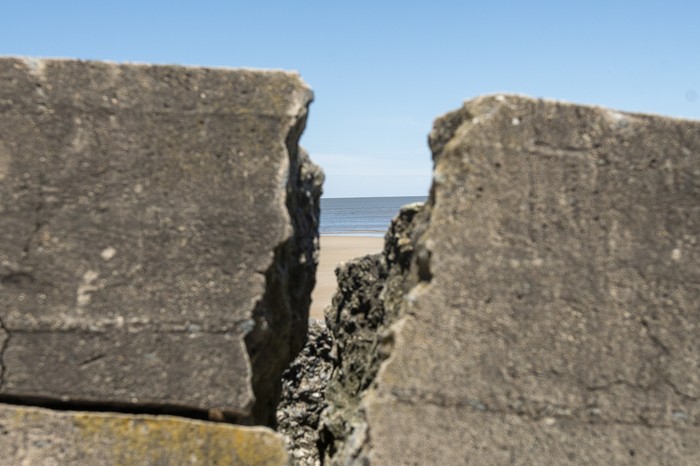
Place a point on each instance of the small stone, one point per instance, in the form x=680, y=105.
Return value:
x=108, y=253
x=676, y=254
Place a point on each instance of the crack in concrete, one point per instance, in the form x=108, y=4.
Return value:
x=583, y=415
x=76, y=326
x=615, y=383
x=3, y=349
x=680, y=393
x=654, y=339
x=38, y=221
x=122, y=408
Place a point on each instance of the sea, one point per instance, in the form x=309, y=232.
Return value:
x=361, y=216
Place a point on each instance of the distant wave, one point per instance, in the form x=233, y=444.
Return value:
x=361, y=216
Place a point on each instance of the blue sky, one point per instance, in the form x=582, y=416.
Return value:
x=382, y=71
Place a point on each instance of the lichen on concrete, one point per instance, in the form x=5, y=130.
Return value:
x=36, y=436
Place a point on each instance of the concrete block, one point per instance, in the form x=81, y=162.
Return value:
x=159, y=237
x=541, y=308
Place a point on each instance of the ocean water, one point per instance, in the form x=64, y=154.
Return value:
x=361, y=216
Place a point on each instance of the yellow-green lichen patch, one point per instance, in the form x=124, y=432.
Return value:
x=163, y=439
x=43, y=436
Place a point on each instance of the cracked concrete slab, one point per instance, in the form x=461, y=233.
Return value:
x=159, y=234
x=549, y=311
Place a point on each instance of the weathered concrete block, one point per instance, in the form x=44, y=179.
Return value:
x=547, y=311
x=159, y=234
x=36, y=436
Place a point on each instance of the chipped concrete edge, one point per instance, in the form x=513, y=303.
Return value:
x=281, y=314
x=35, y=64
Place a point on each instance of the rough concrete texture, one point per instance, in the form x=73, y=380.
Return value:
x=36, y=436
x=159, y=235
x=549, y=310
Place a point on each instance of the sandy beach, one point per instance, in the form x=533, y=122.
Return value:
x=334, y=250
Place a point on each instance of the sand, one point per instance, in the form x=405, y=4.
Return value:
x=334, y=250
